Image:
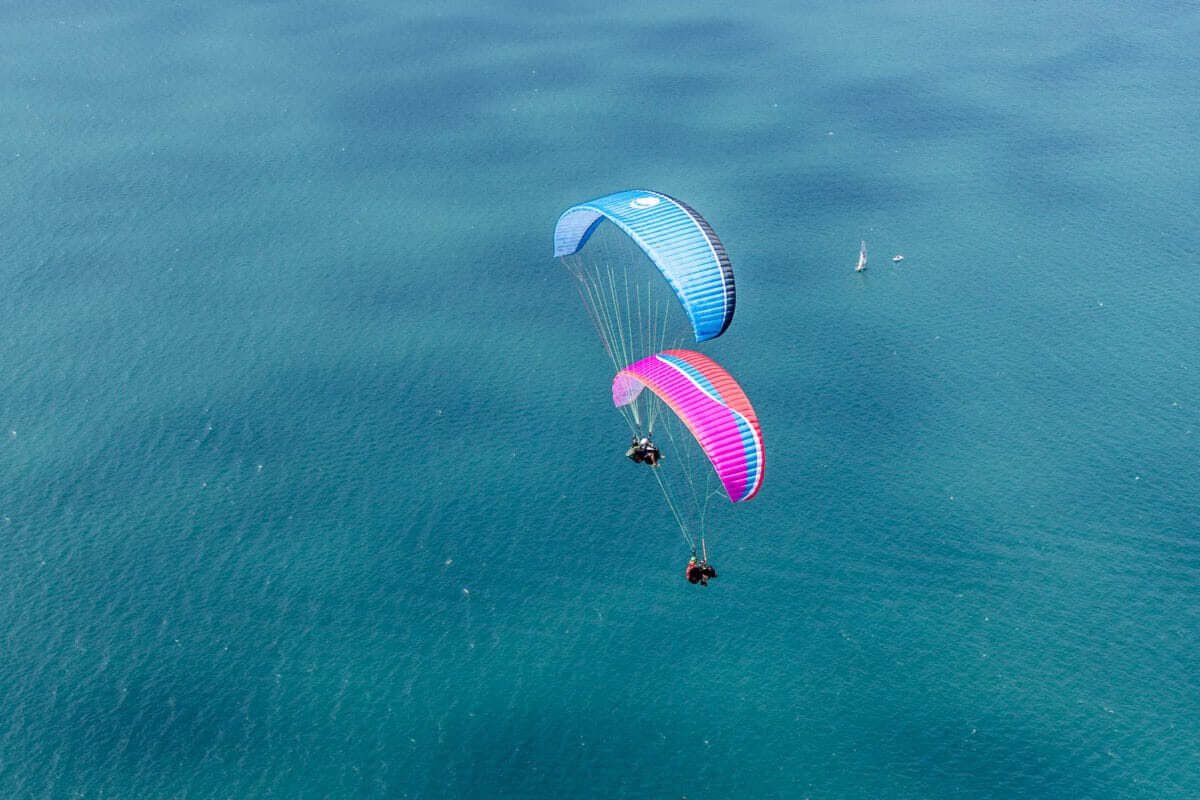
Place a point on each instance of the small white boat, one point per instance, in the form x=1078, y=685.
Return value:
x=862, y=256
x=897, y=257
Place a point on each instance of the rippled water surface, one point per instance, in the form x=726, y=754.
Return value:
x=311, y=482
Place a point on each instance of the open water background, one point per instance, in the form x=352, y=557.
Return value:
x=309, y=482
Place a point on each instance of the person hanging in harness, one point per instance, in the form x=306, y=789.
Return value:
x=699, y=571
x=643, y=451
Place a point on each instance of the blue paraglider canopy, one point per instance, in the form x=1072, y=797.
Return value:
x=677, y=239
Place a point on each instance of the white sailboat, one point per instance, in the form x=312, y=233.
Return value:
x=862, y=256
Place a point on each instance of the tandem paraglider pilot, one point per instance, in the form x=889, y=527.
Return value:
x=643, y=451
x=699, y=572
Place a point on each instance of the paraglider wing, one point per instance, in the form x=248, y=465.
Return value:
x=712, y=405
x=678, y=240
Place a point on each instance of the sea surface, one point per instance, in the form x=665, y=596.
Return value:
x=310, y=483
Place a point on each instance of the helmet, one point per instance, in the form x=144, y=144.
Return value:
x=644, y=441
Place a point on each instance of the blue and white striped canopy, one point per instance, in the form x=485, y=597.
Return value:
x=679, y=241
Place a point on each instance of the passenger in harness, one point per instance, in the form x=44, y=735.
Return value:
x=699, y=572
x=643, y=451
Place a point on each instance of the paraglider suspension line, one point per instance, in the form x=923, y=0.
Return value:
x=633, y=323
x=683, y=528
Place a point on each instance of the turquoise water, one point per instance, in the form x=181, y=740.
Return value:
x=311, y=484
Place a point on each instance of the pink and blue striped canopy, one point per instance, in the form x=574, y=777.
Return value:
x=711, y=404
